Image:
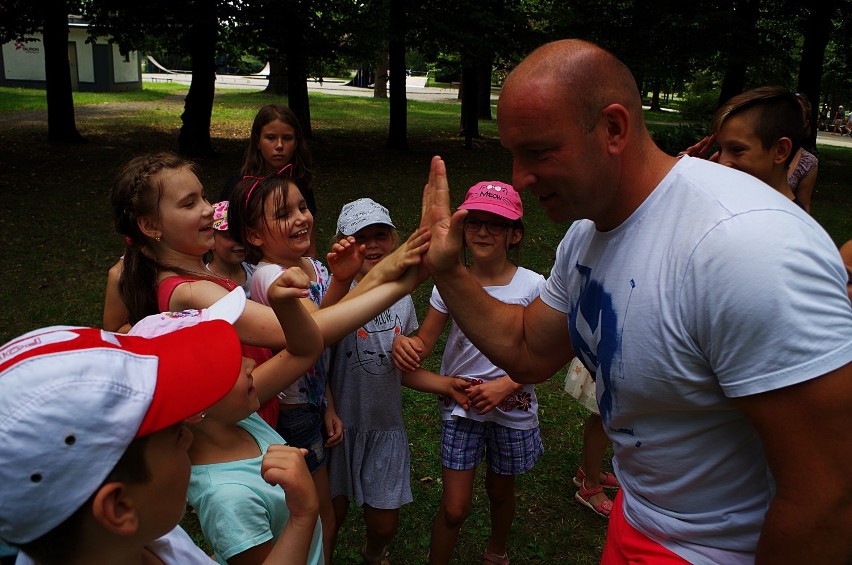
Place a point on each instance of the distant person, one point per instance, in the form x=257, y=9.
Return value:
x=276, y=141
x=839, y=121
x=721, y=343
x=804, y=166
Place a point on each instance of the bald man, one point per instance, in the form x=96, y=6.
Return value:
x=711, y=309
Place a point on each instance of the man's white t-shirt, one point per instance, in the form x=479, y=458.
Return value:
x=716, y=287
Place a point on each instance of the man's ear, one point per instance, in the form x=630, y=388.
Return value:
x=149, y=227
x=617, y=121
x=114, y=510
x=783, y=147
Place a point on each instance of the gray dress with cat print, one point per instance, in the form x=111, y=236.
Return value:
x=372, y=464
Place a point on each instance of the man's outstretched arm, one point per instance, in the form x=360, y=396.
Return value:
x=530, y=343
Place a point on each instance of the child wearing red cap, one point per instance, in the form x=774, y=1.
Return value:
x=94, y=442
x=501, y=421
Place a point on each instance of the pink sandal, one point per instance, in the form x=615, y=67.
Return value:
x=584, y=495
x=494, y=558
x=609, y=482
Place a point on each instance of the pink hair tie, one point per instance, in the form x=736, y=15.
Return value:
x=128, y=240
x=258, y=179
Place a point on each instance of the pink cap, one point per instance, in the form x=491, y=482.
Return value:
x=495, y=197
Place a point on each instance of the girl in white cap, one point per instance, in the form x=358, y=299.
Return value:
x=371, y=466
x=501, y=418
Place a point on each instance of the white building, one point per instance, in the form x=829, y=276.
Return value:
x=95, y=67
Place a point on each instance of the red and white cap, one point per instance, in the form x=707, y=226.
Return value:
x=229, y=308
x=72, y=400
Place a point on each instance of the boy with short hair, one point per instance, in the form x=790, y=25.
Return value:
x=758, y=132
x=94, y=443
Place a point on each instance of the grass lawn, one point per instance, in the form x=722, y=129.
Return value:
x=58, y=242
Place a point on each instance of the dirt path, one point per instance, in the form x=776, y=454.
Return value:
x=11, y=120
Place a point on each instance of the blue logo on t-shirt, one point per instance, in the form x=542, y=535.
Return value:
x=593, y=325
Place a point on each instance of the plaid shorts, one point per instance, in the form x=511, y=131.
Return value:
x=509, y=451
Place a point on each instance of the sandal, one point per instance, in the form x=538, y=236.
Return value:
x=608, y=482
x=494, y=558
x=381, y=559
x=584, y=495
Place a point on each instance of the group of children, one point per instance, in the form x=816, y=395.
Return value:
x=272, y=415
x=324, y=355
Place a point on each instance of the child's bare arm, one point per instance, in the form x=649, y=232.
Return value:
x=702, y=148
x=304, y=339
x=115, y=312
x=285, y=298
x=285, y=466
x=397, y=264
x=409, y=351
x=406, y=352
x=333, y=423
x=344, y=262
x=427, y=381
x=343, y=318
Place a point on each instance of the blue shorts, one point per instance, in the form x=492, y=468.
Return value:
x=305, y=427
x=507, y=450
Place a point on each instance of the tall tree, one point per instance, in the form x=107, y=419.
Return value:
x=23, y=18
x=194, y=138
x=480, y=32
x=398, y=129
x=193, y=27
x=739, y=49
x=817, y=32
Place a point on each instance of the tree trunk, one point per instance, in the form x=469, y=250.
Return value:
x=816, y=35
x=470, y=95
x=61, y=126
x=194, y=139
x=277, y=84
x=398, y=127
x=655, y=99
x=740, y=47
x=297, y=73
x=380, y=86
x=483, y=79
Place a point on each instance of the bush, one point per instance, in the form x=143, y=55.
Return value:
x=674, y=139
x=700, y=107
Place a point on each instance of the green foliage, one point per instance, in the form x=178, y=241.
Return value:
x=700, y=107
x=674, y=139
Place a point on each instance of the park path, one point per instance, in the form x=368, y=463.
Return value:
x=11, y=120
